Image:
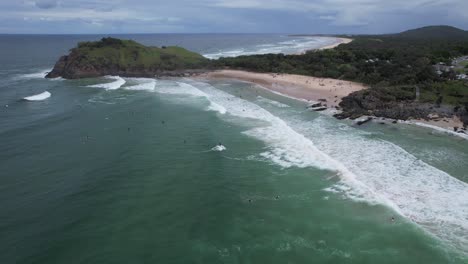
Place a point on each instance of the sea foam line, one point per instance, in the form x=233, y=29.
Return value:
x=35, y=75
x=377, y=171
x=287, y=148
x=424, y=194
x=144, y=84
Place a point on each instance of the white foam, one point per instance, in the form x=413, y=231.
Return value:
x=290, y=46
x=275, y=103
x=219, y=148
x=371, y=170
x=116, y=84
x=440, y=129
x=38, y=97
x=35, y=75
x=187, y=89
x=426, y=195
x=286, y=146
x=144, y=85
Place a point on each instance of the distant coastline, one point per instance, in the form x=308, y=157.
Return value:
x=339, y=41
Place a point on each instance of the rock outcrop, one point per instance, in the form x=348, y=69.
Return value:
x=375, y=102
x=111, y=56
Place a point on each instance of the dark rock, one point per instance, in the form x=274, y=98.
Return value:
x=319, y=109
x=314, y=105
x=362, y=122
x=385, y=102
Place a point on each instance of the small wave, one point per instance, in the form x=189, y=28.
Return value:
x=38, y=97
x=35, y=75
x=187, y=89
x=372, y=171
x=412, y=187
x=218, y=148
x=116, y=84
x=275, y=103
x=145, y=85
x=436, y=128
x=291, y=46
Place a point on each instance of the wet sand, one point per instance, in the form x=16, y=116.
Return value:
x=329, y=91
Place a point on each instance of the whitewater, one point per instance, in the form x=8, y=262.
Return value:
x=371, y=171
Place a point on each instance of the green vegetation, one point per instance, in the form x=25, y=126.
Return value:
x=111, y=56
x=434, y=32
x=128, y=53
x=393, y=63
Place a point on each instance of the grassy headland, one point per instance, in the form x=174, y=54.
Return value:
x=111, y=56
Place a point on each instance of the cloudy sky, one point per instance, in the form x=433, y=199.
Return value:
x=216, y=16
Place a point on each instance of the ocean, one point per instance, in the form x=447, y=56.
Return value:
x=129, y=170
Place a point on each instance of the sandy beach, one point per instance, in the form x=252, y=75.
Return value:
x=340, y=41
x=297, y=86
x=313, y=89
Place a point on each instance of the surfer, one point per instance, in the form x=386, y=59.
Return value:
x=219, y=147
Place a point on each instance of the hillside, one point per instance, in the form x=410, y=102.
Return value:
x=434, y=32
x=111, y=56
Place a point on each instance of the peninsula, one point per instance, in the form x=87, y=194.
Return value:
x=414, y=75
x=111, y=56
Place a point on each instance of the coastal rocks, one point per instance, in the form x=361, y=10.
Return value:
x=362, y=121
x=318, y=107
x=379, y=103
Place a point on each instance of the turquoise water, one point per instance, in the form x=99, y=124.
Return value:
x=92, y=175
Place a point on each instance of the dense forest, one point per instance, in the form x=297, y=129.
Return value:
x=392, y=64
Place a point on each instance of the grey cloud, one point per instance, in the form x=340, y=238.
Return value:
x=46, y=4
x=249, y=16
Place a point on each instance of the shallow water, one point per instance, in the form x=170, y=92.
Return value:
x=118, y=170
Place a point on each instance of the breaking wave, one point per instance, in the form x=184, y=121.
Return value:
x=370, y=170
x=38, y=97
x=116, y=84
x=291, y=46
x=35, y=75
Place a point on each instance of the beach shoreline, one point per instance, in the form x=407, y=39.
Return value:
x=324, y=91
x=334, y=45
x=300, y=87
x=331, y=46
